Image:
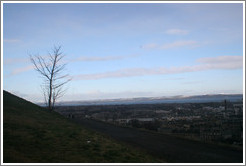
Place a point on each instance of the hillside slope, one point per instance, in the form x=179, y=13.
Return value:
x=32, y=134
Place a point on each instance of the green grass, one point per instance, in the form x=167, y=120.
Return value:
x=32, y=134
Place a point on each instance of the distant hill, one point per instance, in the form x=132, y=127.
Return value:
x=158, y=100
x=31, y=134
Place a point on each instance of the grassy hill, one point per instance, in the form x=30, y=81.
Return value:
x=31, y=134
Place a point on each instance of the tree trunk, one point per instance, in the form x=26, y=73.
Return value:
x=50, y=96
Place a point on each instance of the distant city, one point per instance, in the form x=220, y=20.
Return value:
x=214, y=118
x=129, y=82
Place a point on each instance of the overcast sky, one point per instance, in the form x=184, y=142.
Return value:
x=126, y=50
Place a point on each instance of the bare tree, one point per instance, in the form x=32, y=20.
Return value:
x=51, y=69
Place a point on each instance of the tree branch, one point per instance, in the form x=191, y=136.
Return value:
x=51, y=71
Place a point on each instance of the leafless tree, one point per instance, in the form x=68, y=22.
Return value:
x=51, y=69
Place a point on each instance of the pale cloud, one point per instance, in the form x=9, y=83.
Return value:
x=176, y=44
x=97, y=58
x=103, y=58
x=222, y=62
x=82, y=58
x=221, y=59
x=180, y=43
x=116, y=74
x=22, y=69
x=150, y=46
x=11, y=40
x=176, y=32
x=213, y=63
x=14, y=61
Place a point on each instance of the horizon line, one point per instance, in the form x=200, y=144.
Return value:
x=173, y=97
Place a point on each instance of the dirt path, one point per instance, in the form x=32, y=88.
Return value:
x=170, y=148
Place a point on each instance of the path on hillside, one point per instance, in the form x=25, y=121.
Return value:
x=170, y=148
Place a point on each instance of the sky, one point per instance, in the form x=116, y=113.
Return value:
x=126, y=50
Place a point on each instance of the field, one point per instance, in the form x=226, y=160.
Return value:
x=31, y=134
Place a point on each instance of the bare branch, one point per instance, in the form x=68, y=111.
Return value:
x=61, y=77
x=51, y=70
x=59, y=68
x=39, y=66
x=61, y=84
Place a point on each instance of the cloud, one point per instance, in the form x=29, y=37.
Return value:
x=212, y=63
x=176, y=44
x=222, y=62
x=176, y=32
x=103, y=58
x=97, y=58
x=116, y=74
x=11, y=40
x=14, y=61
x=180, y=43
x=82, y=58
x=221, y=59
x=150, y=46
x=22, y=69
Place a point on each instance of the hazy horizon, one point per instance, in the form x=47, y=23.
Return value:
x=140, y=99
x=126, y=50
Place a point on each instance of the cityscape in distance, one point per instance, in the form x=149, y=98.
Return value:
x=123, y=82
